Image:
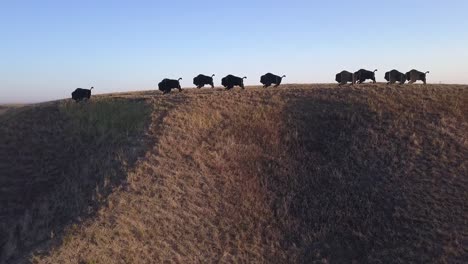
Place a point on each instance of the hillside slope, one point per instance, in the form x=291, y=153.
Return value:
x=58, y=162
x=302, y=173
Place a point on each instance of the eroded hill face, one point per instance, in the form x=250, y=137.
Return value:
x=284, y=175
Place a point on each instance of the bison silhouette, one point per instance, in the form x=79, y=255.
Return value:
x=363, y=75
x=202, y=80
x=81, y=94
x=230, y=81
x=395, y=76
x=414, y=76
x=344, y=77
x=167, y=85
x=268, y=79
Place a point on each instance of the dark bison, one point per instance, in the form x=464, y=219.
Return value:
x=395, y=76
x=202, y=80
x=363, y=75
x=81, y=94
x=270, y=78
x=344, y=77
x=230, y=81
x=414, y=76
x=167, y=85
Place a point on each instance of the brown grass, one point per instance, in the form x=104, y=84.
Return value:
x=58, y=163
x=297, y=174
x=9, y=107
x=3, y=109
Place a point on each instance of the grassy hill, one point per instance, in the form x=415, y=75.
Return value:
x=7, y=107
x=296, y=174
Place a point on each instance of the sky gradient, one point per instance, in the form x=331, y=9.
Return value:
x=49, y=48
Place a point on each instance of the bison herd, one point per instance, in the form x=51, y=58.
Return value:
x=228, y=82
x=392, y=77
x=269, y=79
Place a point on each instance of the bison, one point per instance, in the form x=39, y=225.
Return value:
x=270, y=78
x=202, y=80
x=230, y=81
x=395, y=76
x=344, y=77
x=167, y=85
x=363, y=75
x=81, y=94
x=414, y=76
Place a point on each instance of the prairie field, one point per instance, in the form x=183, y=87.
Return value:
x=301, y=173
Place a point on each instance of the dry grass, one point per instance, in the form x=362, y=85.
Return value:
x=58, y=163
x=9, y=107
x=3, y=109
x=298, y=174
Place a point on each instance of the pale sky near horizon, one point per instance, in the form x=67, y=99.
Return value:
x=49, y=48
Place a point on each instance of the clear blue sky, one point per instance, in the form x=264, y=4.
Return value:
x=49, y=48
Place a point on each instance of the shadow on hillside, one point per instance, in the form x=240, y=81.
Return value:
x=357, y=190
x=59, y=162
